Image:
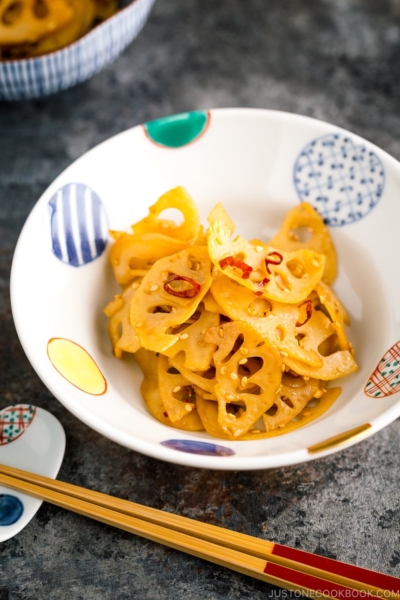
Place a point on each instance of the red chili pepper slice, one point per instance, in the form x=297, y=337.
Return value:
x=189, y=293
x=308, y=304
x=262, y=284
x=268, y=261
x=231, y=261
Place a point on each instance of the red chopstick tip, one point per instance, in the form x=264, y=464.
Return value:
x=387, y=583
x=316, y=587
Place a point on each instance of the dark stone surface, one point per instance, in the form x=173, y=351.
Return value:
x=336, y=60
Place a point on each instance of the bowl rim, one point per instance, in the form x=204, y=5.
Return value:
x=73, y=44
x=169, y=455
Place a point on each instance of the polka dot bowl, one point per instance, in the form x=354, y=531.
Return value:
x=36, y=77
x=258, y=164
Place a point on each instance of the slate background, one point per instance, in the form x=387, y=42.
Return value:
x=336, y=60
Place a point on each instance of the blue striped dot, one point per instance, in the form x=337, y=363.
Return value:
x=79, y=224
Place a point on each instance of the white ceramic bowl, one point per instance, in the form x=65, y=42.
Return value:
x=45, y=75
x=259, y=164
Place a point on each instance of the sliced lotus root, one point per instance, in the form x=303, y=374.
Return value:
x=83, y=19
x=27, y=21
x=293, y=394
x=276, y=321
x=176, y=392
x=168, y=296
x=205, y=380
x=311, y=411
x=105, y=8
x=336, y=311
x=250, y=394
x=208, y=413
x=198, y=354
x=218, y=213
x=132, y=255
x=303, y=227
x=212, y=305
x=320, y=334
x=120, y=330
x=148, y=362
x=283, y=276
x=178, y=199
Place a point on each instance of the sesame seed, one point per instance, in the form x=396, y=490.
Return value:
x=177, y=389
x=223, y=370
x=221, y=332
x=318, y=394
x=244, y=350
x=322, y=298
x=255, y=431
x=188, y=407
x=165, y=225
x=259, y=248
x=314, y=262
x=243, y=361
x=135, y=285
x=203, y=331
x=184, y=336
x=306, y=378
x=237, y=433
x=283, y=367
x=154, y=288
x=283, y=353
x=305, y=276
x=233, y=376
x=307, y=413
x=164, y=276
x=244, y=381
x=139, y=324
x=230, y=397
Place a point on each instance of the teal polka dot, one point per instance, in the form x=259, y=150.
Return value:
x=177, y=130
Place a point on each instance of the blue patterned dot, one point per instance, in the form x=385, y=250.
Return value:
x=11, y=508
x=339, y=178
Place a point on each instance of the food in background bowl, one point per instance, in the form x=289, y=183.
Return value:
x=65, y=50
x=238, y=338
x=30, y=28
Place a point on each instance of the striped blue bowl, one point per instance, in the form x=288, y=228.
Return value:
x=44, y=75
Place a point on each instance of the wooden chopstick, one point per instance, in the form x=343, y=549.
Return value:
x=282, y=566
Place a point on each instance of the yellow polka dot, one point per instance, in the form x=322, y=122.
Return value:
x=76, y=365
